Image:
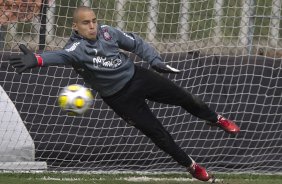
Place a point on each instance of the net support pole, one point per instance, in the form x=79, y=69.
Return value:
x=246, y=26
x=275, y=23
x=2, y=39
x=50, y=22
x=120, y=13
x=86, y=3
x=152, y=20
x=218, y=16
x=42, y=32
x=184, y=17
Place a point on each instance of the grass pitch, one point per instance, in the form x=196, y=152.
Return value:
x=136, y=178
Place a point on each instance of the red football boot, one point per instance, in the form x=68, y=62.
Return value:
x=226, y=124
x=199, y=172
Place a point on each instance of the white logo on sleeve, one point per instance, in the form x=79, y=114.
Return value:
x=73, y=47
x=128, y=36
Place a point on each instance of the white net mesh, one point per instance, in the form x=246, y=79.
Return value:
x=238, y=74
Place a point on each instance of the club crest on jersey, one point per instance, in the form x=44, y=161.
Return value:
x=106, y=34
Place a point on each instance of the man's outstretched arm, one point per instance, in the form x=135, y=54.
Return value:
x=29, y=60
x=135, y=44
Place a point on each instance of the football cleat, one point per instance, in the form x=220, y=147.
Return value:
x=199, y=172
x=226, y=124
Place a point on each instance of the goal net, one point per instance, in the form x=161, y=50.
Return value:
x=230, y=56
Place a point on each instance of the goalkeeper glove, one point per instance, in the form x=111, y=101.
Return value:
x=163, y=68
x=25, y=61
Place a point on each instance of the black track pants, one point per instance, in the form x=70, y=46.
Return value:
x=129, y=103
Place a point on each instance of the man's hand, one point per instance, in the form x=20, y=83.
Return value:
x=25, y=61
x=163, y=68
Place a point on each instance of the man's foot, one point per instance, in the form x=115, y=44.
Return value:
x=226, y=124
x=199, y=172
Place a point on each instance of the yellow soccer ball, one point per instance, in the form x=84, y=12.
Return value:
x=75, y=99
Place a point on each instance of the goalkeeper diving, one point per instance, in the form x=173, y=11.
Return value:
x=93, y=50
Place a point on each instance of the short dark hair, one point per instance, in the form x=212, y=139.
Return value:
x=78, y=9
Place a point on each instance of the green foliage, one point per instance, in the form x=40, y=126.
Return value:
x=168, y=15
x=231, y=18
x=136, y=16
x=105, y=11
x=201, y=21
x=63, y=16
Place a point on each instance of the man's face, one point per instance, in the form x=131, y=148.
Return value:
x=86, y=24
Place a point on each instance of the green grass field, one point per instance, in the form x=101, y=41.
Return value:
x=67, y=178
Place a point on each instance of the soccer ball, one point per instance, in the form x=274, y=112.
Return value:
x=75, y=99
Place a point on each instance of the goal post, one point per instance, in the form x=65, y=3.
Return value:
x=229, y=53
x=17, y=147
